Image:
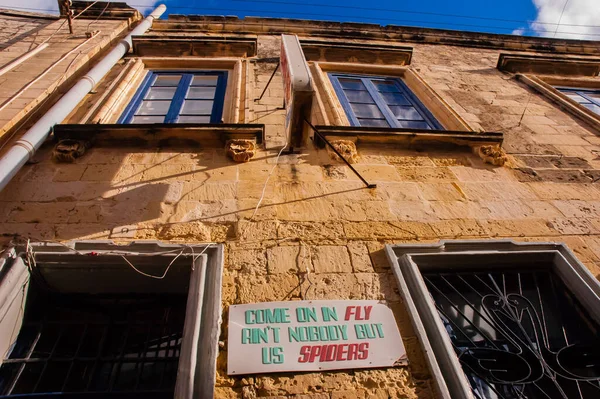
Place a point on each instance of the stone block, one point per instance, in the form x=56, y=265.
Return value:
x=570, y=163
x=409, y=161
x=575, y=226
x=398, y=191
x=275, y=287
x=359, y=256
x=459, y=228
x=82, y=231
x=482, y=174
x=578, y=209
x=34, y=231
x=376, y=173
x=331, y=259
x=565, y=191
x=326, y=232
x=556, y=139
x=289, y=259
x=128, y=232
x=387, y=230
x=441, y=191
x=351, y=394
x=316, y=210
x=206, y=191
x=72, y=172
x=460, y=210
x=519, y=228
x=413, y=211
x=535, y=161
x=496, y=191
x=335, y=286
x=192, y=231
x=426, y=174
x=563, y=176
x=256, y=231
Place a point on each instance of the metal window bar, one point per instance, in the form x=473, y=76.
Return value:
x=518, y=334
x=98, y=345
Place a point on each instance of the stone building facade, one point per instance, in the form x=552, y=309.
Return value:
x=486, y=145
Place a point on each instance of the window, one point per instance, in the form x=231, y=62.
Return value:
x=371, y=101
x=585, y=97
x=96, y=343
x=84, y=323
x=505, y=320
x=178, y=97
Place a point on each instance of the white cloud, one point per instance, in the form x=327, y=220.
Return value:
x=580, y=19
x=518, y=32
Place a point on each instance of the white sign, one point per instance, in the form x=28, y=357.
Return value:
x=272, y=337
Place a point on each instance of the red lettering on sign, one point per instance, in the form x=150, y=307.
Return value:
x=305, y=352
x=334, y=353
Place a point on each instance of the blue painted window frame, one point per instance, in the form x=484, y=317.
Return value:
x=585, y=93
x=391, y=119
x=178, y=100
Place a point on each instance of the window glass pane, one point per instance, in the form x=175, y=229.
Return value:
x=593, y=107
x=201, y=92
x=576, y=97
x=194, y=119
x=414, y=125
x=406, y=113
x=203, y=107
x=595, y=95
x=167, y=80
x=359, y=96
x=386, y=86
x=395, y=99
x=366, y=111
x=204, y=80
x=154, y=108
x=148, y=119
x=373, y=122
x=160, y=93
x=352, y=84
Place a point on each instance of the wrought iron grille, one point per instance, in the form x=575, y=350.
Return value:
x=518, y=334
x=97, y=345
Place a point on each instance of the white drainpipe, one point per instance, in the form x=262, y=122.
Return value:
x=31, y=141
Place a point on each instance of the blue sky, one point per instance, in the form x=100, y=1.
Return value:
x=579, y=19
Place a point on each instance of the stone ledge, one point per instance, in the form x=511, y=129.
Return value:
x=548, y=65
x=408, y=137
x=201, y=135
x=364, y=53
x=177, y=45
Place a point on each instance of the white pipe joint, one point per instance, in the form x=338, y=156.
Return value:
x=31, y=141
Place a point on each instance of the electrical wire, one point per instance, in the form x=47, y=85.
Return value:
x=560, y=18
x=30, y=255
x=346, y=7
x=98, y=17
x=267, y=180
x=422, y=23
x=450, y=24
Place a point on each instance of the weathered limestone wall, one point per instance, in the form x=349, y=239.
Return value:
x=58, y=71
x=15, y=27
x=319, y=233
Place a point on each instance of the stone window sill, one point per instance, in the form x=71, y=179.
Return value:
x=408, y=137
x=188, y=134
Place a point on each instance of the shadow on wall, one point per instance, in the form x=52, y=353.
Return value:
x=85, y=199
x=13, y=29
